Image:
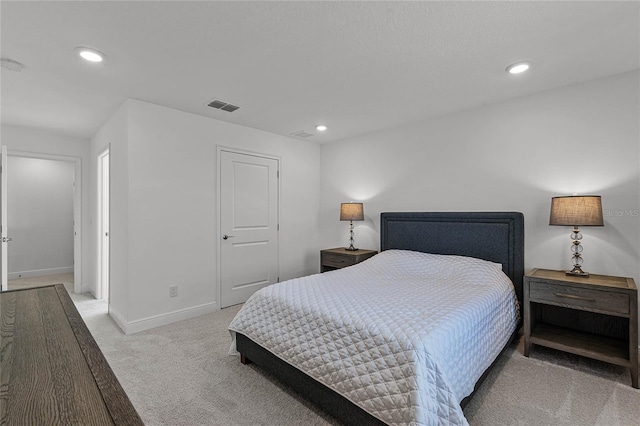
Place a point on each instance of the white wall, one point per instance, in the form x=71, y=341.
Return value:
x=40, y=216
x=166, y=165
x=512, y=156
x=113, y=135
x=26, y=140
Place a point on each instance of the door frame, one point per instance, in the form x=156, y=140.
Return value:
x=4, y=273
x=219, y=150
x=101, y=291
x=77, y=206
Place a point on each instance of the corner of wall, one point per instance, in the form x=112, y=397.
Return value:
x=113, y=134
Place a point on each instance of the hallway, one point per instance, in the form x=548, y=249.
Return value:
x=22, y=283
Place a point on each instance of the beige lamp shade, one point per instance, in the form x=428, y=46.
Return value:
x=576, y=210
x=351, y=211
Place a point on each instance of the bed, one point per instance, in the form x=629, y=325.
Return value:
x=373, y=343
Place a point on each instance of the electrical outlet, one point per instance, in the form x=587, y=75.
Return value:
x=173, y=291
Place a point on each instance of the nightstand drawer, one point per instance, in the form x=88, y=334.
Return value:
x=339, y=257
x=580, y=298
x=337, y=260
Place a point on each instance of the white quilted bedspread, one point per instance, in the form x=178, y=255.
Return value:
x=404, y=335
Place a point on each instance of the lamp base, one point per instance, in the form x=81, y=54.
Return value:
x=577, y=271
x=576, y=249
x=351, y=247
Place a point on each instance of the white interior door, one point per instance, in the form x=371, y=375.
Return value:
x=248, y=255
x=3, y=218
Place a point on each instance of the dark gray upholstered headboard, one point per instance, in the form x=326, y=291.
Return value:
x=493, y=236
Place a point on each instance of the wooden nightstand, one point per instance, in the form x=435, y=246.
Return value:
x=340, y=257
x=595, y=316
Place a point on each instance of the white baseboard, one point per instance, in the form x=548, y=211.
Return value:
x=39, y=272
x=118, y=319
x=160, y=320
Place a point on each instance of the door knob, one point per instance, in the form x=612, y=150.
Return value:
x=6, y=239
x=226, y=237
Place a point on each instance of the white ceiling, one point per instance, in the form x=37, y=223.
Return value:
x=355, y=66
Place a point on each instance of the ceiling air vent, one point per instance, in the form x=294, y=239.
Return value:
x=301, y=134
x=224, y=106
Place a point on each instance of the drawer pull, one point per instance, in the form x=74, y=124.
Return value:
x=573, y=296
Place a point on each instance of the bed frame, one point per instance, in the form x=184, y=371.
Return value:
x=493, y=236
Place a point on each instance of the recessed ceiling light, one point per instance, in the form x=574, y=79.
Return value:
x=321, y=127
x=518, y=67
x=89, y=54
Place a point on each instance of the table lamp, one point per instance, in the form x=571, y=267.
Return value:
x=576, y=210
x=351, y=212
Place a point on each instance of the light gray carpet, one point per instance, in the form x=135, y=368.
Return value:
x=554, y=388
x=180, y=374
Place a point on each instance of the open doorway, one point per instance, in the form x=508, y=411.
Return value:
x=103, y=225
x=41, y=216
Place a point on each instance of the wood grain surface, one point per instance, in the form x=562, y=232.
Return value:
x=52, y=371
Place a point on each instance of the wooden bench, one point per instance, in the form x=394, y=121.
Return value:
x=51, y=369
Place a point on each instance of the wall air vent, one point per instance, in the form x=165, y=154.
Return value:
x=301, y=134
x=222, y=105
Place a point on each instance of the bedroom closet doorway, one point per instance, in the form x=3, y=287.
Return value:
x=103, y=224
x=248, y=211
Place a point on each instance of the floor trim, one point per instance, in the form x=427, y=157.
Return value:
x=137, y=326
